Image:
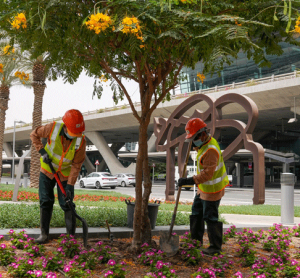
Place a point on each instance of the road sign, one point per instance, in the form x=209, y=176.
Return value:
x=97, y=162
x=194, y=155
x=153, y=165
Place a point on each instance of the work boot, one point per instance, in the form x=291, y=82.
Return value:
x=215, y=236
x=70, y=220
x=45, y=217
x=197, y=227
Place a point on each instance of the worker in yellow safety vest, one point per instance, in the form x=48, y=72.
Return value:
x=65, y=149
x=211, y=180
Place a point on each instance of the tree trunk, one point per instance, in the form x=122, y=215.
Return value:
x=4, y=98
x=36, y=121
x=141, y=222
x=38, y=90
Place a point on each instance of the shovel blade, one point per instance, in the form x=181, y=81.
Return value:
x=169, y=245
x=84, y=224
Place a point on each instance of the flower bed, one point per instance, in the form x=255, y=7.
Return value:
x=271, y=253
x=30, y=196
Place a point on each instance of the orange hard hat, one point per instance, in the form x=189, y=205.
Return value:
x=74, y=122
x=193, y=127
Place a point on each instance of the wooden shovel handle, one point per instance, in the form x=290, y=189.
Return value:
x=179, y=191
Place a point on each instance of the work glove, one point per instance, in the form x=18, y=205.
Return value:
x=69, y=195
x=186, y=181
x=45, y=156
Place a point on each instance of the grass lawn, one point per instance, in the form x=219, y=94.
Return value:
x=270, y=210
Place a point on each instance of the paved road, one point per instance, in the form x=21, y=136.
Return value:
x=233, y=196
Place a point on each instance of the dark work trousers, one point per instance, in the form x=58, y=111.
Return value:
x=209, y=209
x=46, y=193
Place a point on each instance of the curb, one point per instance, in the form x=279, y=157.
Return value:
x=121, y=232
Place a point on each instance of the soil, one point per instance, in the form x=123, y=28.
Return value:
x=120, y=247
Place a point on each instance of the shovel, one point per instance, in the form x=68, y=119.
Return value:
x=170, y=243
x=71, y=205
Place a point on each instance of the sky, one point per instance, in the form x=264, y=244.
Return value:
x=60, y=97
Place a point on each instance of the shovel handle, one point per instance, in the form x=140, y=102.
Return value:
x=57, y=178
x=179, y=191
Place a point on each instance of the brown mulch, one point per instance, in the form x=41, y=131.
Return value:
x=120, y=247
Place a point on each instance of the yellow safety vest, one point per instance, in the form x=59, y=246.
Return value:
x=61, y=161
x=220, y=178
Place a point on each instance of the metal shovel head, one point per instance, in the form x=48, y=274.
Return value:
x=84, y=224
x=169, y=245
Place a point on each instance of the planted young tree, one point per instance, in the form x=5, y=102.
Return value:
x=149, y=42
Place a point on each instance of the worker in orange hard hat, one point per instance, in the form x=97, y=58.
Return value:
x=211, y=180
x=65, y=149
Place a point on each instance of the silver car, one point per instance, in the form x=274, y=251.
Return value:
x=99, y=180
x=125, y=179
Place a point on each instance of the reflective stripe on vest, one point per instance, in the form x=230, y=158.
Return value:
x=220, y=178
x=61, y=161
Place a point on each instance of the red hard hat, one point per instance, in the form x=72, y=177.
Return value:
x=74, y=121
x=193, y=126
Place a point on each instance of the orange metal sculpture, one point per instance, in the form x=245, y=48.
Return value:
x=166, y=131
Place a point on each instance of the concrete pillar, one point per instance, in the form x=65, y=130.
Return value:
x=151, y=143
x=8, y=149
x=240, y=175
x=19, y=172
x=285, y=168
x=111, y=160
x=89, y=165
x=115, y=147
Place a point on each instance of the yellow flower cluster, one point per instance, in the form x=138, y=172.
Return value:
x=200, y=77
x=98, y=22
x=22, y=75
x=238, y=24
x=20, y=20
x=6, y=50
x=297, y=27
x=132, y=25
x=103, y=78
x=1, y=68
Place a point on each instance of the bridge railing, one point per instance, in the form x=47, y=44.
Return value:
x=250, y=82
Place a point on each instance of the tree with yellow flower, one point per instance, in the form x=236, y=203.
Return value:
x=149, y=42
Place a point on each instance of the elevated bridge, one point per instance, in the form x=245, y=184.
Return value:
x=109, y=129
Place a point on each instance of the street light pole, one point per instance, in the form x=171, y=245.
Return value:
x=13, y=158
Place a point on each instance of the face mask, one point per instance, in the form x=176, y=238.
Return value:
x=70, y=137
x=198, y=143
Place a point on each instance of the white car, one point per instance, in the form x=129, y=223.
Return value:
x=99, y=180
x=125, y=179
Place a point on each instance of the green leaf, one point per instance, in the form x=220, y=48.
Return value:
x=43, y=21
x=285, y=8
x=290, y=17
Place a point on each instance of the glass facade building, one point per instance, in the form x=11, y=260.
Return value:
x=243, y=69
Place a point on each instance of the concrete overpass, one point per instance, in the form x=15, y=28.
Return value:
x=273, y=95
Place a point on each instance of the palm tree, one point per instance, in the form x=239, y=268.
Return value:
x=9, y=76
x=38, y=84
x=39, y=72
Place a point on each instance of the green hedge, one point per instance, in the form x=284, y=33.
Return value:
x=28, y=216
